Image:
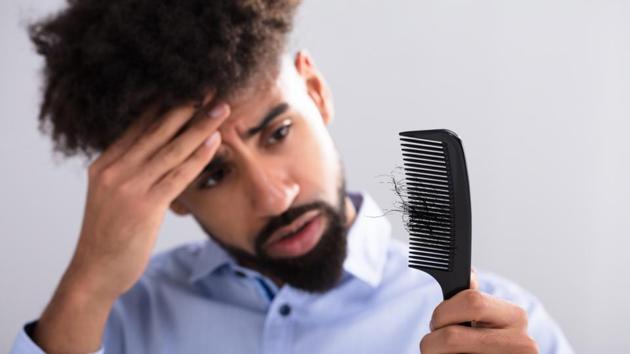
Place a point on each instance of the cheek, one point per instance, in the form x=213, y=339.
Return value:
x=316, y=164
x=225, y=224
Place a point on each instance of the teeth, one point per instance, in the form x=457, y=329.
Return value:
x=287, y=234
x=276, y=238
x=293, y=232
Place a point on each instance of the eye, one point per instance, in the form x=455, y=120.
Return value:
x=213, y=178
x=280, y=133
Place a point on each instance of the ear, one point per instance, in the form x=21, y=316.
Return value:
x=179, y=208
x=315, y=85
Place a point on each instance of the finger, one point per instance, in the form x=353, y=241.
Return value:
x=122, y=143
x=159, y=134
x=450, y=340
x=175, y=182
x=460, y=339
x=175, y=152
x=472, y=305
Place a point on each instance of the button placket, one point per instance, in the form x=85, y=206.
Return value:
x=278, y=336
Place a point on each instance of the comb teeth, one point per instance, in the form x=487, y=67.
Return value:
x=429, y=203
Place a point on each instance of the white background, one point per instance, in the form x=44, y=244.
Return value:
x=539, y=91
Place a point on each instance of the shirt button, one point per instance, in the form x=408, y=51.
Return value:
x=285, y=310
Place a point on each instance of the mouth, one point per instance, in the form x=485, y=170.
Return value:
x=297, y=238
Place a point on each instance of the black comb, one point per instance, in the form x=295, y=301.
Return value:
x=438, y=207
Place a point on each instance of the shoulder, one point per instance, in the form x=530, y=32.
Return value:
x=176, y=262
x=506, y=289
x=541, y=326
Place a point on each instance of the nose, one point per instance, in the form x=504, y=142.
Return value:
x=271, y=190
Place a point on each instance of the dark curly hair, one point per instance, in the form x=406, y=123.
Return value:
x=106, y=61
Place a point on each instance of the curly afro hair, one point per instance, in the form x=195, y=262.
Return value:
x=108, y=61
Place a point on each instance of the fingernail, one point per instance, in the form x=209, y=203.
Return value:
x=212, y=139
x=218, y=111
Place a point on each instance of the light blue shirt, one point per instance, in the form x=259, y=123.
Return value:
x=196, y=299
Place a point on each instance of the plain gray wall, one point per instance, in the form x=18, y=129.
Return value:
x=539, y=91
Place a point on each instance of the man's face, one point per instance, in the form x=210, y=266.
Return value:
x=274, y=194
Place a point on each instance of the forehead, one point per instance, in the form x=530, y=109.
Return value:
x=252, y=103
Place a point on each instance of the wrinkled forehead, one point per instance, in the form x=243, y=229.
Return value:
x=255, y=101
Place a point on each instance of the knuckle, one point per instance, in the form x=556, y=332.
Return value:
x=106, y=177
x=126, y=189
x=437, y=314
x=476, y=301
x=424, y=344
x=451, y=336
x=521, y=315
x=437, y=311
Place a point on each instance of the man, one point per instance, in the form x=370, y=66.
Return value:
x=192, y=105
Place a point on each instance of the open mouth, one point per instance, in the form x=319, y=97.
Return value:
x=302, y=228
x=298, y=238
x=292, y=229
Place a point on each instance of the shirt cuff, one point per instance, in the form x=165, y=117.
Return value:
x=24, y=343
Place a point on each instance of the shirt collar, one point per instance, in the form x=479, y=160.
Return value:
x=209, y=259
x=368, y=240
x=367, y=245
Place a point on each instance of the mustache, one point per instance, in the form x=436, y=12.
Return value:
x=284, y=219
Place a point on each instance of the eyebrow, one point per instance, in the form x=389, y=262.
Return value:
x=268, y=118
x=218, y=160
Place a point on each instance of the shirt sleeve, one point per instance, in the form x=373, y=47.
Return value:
x=541, y=326
x=24, y=343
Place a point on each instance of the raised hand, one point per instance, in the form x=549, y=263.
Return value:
x=131, y=185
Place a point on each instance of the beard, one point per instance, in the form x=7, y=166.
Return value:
x=317, y=271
